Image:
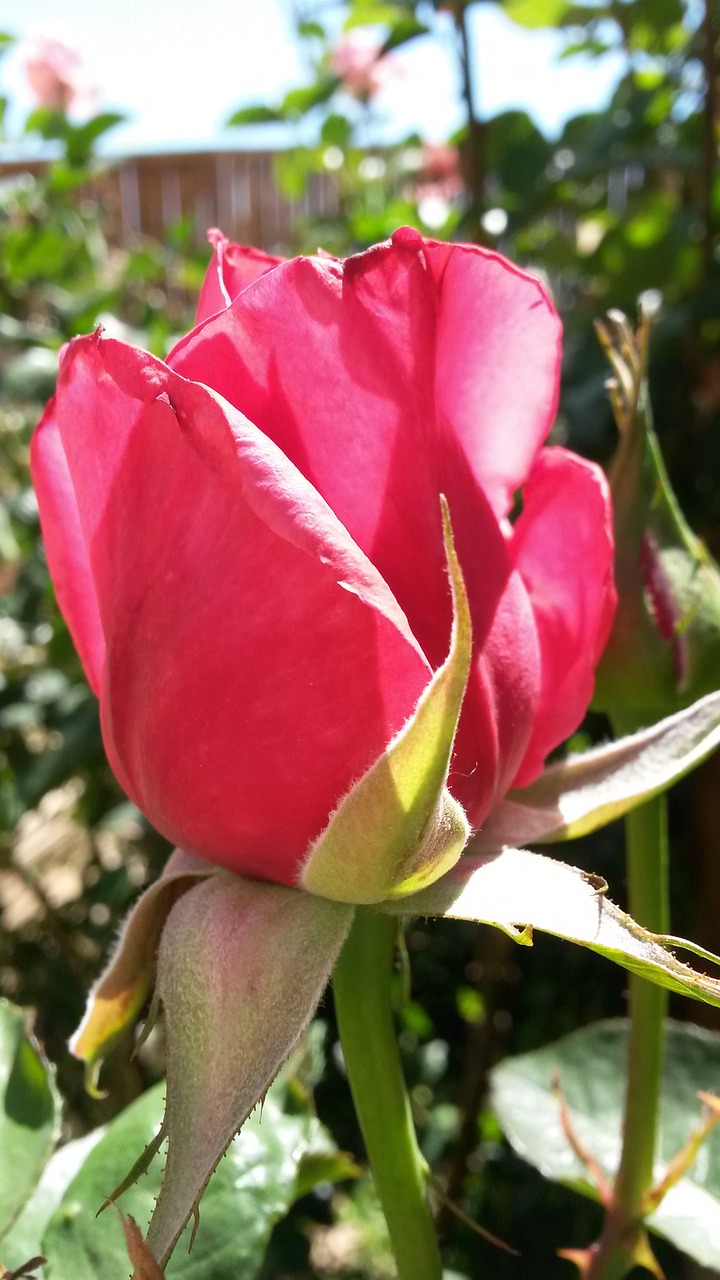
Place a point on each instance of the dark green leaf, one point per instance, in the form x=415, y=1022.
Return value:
x=298, y=102
x=402, y=31
x=311, y=31
x=28, y=1115
x=99, y=125
x=82, y=138
x=255, y=115
x=336, y=131
x=47, y=122
x=252, y=1188
x=324, y=1166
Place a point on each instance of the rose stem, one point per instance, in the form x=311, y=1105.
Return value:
x=647, y=868
x=362, y=983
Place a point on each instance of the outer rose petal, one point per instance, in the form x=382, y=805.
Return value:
x=563, y=548
x=65, y=545
x=407, y=370
x=257, y=663
x=230, y=270
x=497, y=364
x=384, y=380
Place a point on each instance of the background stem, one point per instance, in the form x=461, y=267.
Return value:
x=708, y=39
x=473, y=148
x=362, y=988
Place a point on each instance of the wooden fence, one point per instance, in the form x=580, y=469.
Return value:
x=234, y=190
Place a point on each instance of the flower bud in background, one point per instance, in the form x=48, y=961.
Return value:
x=358, y=61
x=664, y=650
x=56, y=76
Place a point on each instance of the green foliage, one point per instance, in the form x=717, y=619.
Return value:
x=256, y=115
x=254, y=1186
x=23, y=1239
x=536, y=13
x=28, y=1115
x=277, y=1158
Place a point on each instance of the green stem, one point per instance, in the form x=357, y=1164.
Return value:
x=648, y=899
x=647, y=863
x=362, y=990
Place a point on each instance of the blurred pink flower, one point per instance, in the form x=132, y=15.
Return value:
x=55, y=74
x=358, y=60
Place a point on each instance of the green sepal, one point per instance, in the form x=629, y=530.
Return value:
x=120, y=993
x=241, y=968
x=398, y=828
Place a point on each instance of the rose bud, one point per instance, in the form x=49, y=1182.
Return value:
x=664, y=649
x=338, y=604
x=248, y=547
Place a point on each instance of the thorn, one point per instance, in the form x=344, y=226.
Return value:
x=152, y=1017
x=196, y=1224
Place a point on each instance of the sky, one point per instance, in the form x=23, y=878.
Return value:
x=178, y=68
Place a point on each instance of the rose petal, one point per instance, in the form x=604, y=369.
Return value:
x=257, y=663
x=231, y=268
x=497, y=364
x=65, y=545
x=563, y=548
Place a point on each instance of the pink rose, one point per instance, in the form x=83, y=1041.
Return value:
x=247, y=542
x=358, y=61
x=54, y=73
